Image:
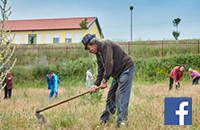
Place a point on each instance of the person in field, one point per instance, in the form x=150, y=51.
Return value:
x=176, y=75
x=194, y=75
x=52, y=84
x=89, y=77
x=113, y=62
x=7, y=83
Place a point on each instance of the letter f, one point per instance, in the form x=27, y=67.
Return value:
x=181, y=112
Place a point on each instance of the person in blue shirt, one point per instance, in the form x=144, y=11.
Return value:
x=52, y=84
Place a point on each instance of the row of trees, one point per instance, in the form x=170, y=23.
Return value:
x=176, y=34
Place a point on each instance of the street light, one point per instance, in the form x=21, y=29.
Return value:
x=131, y=8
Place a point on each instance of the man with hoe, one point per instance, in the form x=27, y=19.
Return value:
x=113, y=62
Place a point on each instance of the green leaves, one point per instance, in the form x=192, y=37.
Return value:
x=83, y=24
x=176, y=34
x=93, y=98
x=176, y=22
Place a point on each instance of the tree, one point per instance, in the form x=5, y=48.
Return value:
x=32, y=39
x=176, y=34
x=5, y=51
x=175, y=24
x=83, y=24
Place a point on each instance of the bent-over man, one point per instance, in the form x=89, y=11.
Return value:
x=52, y=84
x=113, y=62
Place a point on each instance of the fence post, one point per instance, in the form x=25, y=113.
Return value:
x=162, y=48
x=38, y=54
x=128, y=48
x=66, y=51
x=198, y=47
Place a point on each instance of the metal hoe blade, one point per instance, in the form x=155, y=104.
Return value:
x=42, y=120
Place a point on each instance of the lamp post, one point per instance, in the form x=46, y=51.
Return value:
x=131, y=8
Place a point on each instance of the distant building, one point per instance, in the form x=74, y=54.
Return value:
x=60, y=30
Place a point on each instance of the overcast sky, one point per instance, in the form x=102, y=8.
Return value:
x=152, y=19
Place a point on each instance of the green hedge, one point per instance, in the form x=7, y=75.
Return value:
x=159, y=68
x=153, y=70
x=69, y=70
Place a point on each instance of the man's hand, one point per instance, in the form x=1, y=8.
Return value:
x=177, y=83
x=93, y=89
x=103, y=85
x=55, y=95
x=9, y=78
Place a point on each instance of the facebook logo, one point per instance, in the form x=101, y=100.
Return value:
x=178, y=111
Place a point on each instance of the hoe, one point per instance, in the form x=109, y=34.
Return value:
x=41, y=118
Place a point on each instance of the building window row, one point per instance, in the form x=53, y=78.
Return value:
x=47, y=38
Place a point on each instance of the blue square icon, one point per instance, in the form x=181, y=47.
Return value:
x=178, y=111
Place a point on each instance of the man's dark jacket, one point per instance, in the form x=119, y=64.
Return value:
x=112, y=61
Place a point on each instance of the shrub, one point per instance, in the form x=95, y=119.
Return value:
x=159, y=68
x=152, y=70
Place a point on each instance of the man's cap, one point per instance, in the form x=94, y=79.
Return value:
x=86, y=39
x=190, y=69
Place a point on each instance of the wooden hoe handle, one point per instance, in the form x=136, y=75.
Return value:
x=46, y=108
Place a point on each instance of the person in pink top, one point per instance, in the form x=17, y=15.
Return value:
x=194, y=75
x=176, y=74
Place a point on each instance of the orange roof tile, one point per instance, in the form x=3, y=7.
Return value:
x=48, y=24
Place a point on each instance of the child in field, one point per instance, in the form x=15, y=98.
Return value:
x=176, y=74
x=88, y=77
x=194, y=75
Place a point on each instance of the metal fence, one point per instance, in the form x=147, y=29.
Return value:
x=46, y=54
x=160, y=49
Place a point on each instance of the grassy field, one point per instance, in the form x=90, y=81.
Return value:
x=146, y=108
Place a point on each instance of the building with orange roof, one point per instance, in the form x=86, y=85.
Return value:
x=45, y=31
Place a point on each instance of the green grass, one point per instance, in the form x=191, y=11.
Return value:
x=146, y=108
x=150, y=86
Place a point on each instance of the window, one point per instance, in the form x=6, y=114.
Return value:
x=56, y=37
x=47, y=38
x=17, y=39
x=39, y=38
x=68, y=38
x=25, y=38
x=77, y=37
x=10, y=38
x=33, y=36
